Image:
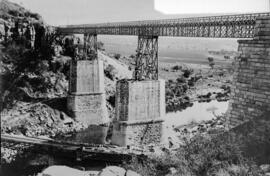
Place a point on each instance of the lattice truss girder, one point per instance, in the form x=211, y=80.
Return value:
x=226, y=26
x=90, y=46
x=146, y=61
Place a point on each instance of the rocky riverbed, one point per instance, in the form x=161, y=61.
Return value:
x=195, y=84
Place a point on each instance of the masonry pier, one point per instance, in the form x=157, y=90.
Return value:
x=86, y=99
x=250, y=97
x=140, y=103
x=140, y=109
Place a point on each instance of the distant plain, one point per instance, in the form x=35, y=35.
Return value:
x=173, y=49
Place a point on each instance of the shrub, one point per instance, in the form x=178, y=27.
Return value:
x=26, y=68
x=176, y=67
x=157, y=166
x=187, y=72
x=181, y=80
x=132, y=56
x=14, y=13
x=211, y=62
x=201, y=155
x=110, y=72
x=117, y=56
x=32, y=15
x=100, y=45
x=36, y=16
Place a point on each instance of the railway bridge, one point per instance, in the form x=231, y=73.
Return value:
x=140, y=102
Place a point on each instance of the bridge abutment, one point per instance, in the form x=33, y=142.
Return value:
x=250, y=97
x=140, y=109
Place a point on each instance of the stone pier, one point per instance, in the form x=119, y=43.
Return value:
x=140, y=109
x=251, y=81
x=86, y=99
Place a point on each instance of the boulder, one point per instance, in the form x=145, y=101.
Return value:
x=172, y=171
x=112, y=171
x=131, y=173
x=62, y=170
x=265, y=167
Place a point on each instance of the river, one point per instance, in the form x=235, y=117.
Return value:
x=196, y=113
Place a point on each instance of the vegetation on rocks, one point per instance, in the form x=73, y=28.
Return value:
x=218, y=152
x=9, y=10
x=27, y=69
x=176, y=97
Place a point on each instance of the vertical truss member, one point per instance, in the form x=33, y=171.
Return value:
x=90, y=47
x=146, y=63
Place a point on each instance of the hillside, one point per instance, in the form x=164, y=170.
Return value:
x=9, y=10
x=36, y=75
x=34, y=80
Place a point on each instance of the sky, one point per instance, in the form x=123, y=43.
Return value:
x=65, y=12
x=212, y=6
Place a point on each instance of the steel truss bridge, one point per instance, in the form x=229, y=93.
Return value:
x=227, y=26
x=146, y=61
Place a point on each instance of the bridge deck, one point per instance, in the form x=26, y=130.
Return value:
x=227, y=26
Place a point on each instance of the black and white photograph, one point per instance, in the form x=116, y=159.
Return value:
x=135, y=87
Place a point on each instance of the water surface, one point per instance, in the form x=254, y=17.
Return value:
x=197, y=113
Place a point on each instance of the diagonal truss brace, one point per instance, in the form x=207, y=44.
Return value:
x=146, y=63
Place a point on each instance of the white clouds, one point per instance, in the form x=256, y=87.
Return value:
x=211, y=6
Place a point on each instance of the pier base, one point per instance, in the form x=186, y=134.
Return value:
x=86, y=101
x=140, y=109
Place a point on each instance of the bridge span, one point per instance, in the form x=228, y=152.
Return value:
x=226, y=26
